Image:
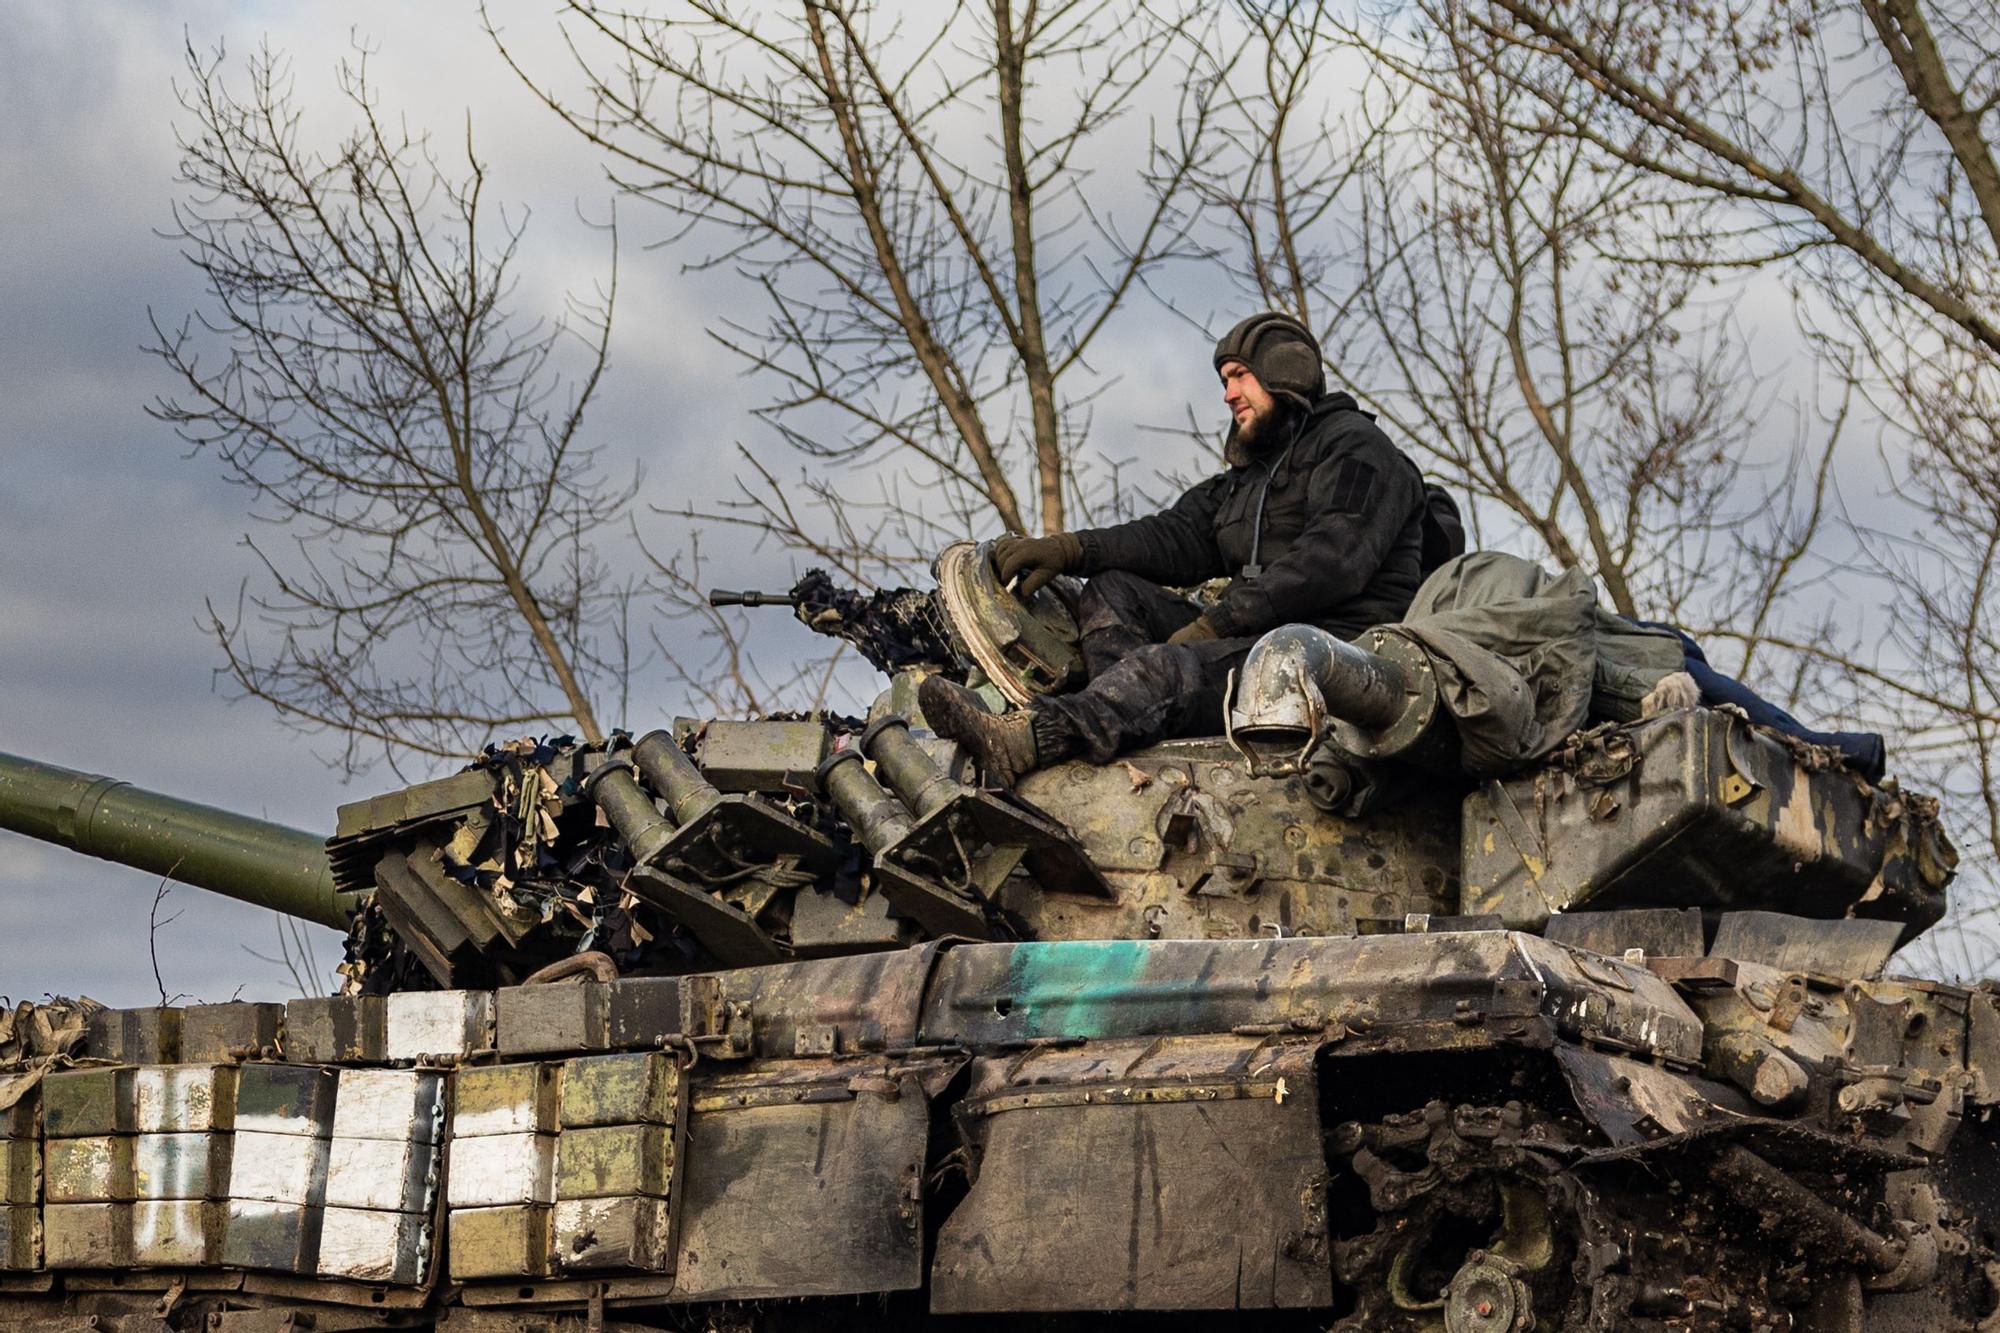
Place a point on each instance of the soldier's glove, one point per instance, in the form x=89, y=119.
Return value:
x=1036, y=559
x=1197, y=630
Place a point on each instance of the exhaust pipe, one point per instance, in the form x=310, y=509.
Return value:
x=1299, y=682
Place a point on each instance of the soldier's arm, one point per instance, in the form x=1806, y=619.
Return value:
x=1175, y=547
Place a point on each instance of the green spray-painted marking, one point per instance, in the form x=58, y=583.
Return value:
x=1086, y=988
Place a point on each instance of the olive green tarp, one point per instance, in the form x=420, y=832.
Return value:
x=1523, y=658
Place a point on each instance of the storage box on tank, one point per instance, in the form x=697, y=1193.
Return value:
x=369, y=1245
x=1699, y=808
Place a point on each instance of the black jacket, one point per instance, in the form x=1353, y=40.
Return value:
x=1342, y=543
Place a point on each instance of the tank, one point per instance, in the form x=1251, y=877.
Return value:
x=793, y=1023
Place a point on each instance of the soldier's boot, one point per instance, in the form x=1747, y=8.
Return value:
x=1005, y=745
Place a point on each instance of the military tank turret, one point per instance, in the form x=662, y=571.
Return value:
x=792, y=1022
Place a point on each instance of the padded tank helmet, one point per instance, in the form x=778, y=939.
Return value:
x=1280, y=351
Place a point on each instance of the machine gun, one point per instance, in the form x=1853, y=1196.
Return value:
x=968, y=624
x=893, y=628
x=724, y=597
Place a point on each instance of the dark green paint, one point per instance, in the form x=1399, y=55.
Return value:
x=271, y=865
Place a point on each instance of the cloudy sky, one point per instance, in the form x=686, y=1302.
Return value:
x=111, y=537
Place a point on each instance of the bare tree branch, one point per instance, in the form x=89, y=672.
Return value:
x=359, y=371
x=926, y=237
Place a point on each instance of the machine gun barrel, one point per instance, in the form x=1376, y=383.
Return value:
x=724, y=597
x=285, y=869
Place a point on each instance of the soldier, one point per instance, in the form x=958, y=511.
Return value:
x=1318, y=518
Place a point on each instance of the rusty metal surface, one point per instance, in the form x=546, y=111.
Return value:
x=404, y=1105
x=135, y=1036
x=612, y=1161
x=1159, y=821
x=1182, y=1174
x=396, y=1175
x=1982, y=1046
x=181, y=1166
x=1283, y=1073
x=279, y=1168
x=510, y=1241
x=216, y=1033
x=20, y=1236
x=868, y=1002
x=336, y=1029
x=1608, y=1002
x=506, y=1099
x=1658, y=932
x=1186, y=1050
x=87, y=1170
x=266, y=1234
x=178, y=1233
x=183, y=1099
x=758, y=756
x=87, y=1235
x=1423, y=989
x=495, y=1169
x=847, y=1134
x=1699, y=808
x=77, y=1103
x=372, y=1245
x=439, y=1023
x=1634, y=1101
x=639, y=1088
x=619, y=1234
x=1847, y=948
x=285, y=1099
x=553, y=1019
x=20, y=1170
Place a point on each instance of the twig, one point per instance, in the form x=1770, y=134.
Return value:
x=153, y=924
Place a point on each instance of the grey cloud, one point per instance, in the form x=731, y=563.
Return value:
x=110, y=538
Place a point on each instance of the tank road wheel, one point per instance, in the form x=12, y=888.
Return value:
x=1468, y=1232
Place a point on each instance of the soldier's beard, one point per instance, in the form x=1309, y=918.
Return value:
x=1265, y=429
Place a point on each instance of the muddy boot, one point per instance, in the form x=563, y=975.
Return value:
x=1004, y=744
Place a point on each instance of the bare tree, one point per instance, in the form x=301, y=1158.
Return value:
x=1856, y=144
x=911, y=204
x=1521, y=311
x=361, y=370
x=296, y=955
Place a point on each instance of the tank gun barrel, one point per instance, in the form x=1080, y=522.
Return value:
x=285, y=869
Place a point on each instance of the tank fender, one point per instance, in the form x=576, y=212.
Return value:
x=824, y=1006
x=1609, y=1002
x=1415, y=991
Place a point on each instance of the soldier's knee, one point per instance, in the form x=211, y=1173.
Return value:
x=1176, y=666
x=1114, y=587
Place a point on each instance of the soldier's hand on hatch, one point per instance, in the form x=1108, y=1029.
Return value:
x=1036, y=560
